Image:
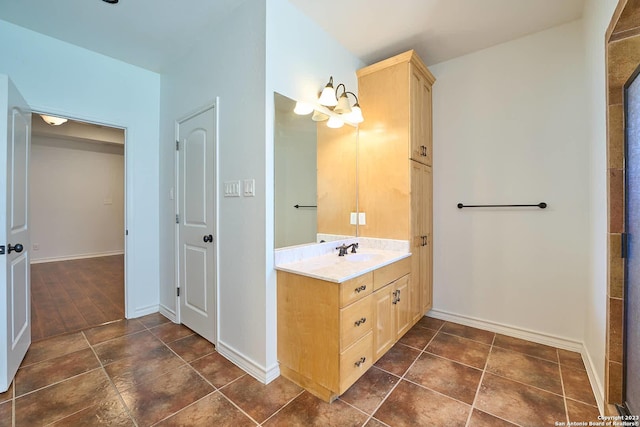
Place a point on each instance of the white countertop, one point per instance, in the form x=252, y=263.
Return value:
x=334, y=268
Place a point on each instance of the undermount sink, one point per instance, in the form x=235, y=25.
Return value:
x=359, y=257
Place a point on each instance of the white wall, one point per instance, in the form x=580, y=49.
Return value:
x=509, y=127
x=300, y=58
x=231, y=68
x=66, y=80
x=596, y=18
x=77, y=198
x=244, y=72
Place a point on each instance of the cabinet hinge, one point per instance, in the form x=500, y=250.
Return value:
x=1, y=249
x=623, y=245
x=177, y=219
x=178, y=291
x=177, y=145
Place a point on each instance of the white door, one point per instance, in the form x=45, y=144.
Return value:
x=196, y=222
x=15, y=310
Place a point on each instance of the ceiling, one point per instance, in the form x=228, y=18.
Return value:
x=153, y=33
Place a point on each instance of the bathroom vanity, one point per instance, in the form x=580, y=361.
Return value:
x=338, y=315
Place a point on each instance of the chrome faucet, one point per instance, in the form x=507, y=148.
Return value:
x=343, y=249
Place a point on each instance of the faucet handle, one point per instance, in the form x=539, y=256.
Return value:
x=354, y=246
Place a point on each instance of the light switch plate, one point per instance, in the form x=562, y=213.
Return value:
x=249, y=187
x=353, y=218
x=232, y=189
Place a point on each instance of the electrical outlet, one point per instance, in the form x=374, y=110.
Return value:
x=362, y=218
x=353, y=218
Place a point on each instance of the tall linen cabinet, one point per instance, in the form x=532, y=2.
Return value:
x=395, y=164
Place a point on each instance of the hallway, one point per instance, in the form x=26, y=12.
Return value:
x=69, y=296
x=150, y=371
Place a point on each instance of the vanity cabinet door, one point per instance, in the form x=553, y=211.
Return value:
x=401, y=307
x=392, y=315
x=384, y=332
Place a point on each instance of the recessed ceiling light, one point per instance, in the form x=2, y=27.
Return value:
x=111, y=1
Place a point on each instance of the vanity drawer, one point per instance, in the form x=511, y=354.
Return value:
x=387, y=274
x=355, y=289
x=355, y=321
x=355, y=361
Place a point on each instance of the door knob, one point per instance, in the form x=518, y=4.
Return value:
x=17, y=248
x=208, y=238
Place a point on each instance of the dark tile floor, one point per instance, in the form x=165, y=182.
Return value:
x=149, y=371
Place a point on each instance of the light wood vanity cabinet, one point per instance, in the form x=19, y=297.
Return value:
x=325, y=340
x=329, y=333
x=395, y=160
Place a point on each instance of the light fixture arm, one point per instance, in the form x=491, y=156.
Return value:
x=354, y=95
x=344, y=90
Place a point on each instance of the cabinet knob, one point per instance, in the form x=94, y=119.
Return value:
x=361, y=321
x=360, y=288
x=361, y=361
x=395, y=296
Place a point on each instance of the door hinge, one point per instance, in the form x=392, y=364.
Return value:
x=178, y=291
x=624, y=237
x=177, y=145
x=1, y=249
x=177, y=219
x=126, y=232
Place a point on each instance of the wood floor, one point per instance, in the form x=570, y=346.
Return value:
x=70, y=296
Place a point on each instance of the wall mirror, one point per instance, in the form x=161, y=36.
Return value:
x=315, y=178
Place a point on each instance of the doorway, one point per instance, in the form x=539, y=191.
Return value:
x=631, y=356
x=77, y=193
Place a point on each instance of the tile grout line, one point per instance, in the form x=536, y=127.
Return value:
x=282, y=407
x=498, y=375
x=564, y=393
x=484, y=370
x=473, y=405
x=104, y=371
x=234, y=403
x=408, y=369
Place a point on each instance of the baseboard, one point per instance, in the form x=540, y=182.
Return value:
x=74, y=257
x=512, y=331
x=143, y=311
x=168, y=313
x=596, y=385
x=540, y=338
x=264, y=375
